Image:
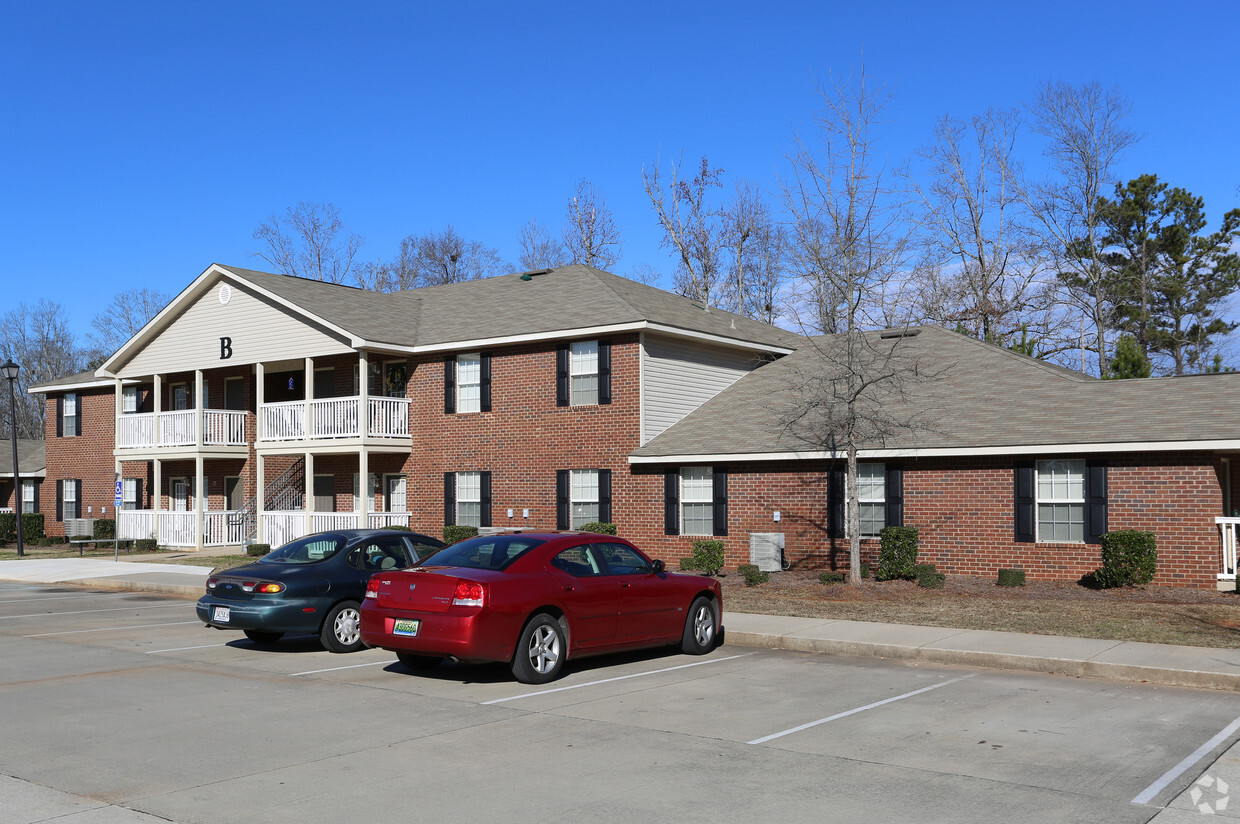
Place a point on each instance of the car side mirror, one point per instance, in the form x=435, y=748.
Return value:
x=658, y=567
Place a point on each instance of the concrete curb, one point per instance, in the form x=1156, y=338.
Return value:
x=119, y=584
x=1072, y=667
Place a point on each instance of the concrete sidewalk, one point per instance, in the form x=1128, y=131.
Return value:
x=1163, y=664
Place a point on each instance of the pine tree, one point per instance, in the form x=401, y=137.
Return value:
x=1128, y=361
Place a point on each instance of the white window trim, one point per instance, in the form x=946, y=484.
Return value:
x=1039, y=501
x=387, y=492
x=476, y=359
x=129, y=399
x=860, y=501
x=685, y=498
x=129, y=493
x=71, y=399
x=369, y=499
x=573, y=360
x=574, y=501
x=69, y=487
x=461, y=499
x=28, y=492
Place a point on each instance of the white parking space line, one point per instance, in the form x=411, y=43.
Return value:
x=610, y=680
x=180, y=649
x=856, y=710
x=109, y=629
x=84, y=611
x=60, y=597
x=1147, y=795
x=350, y=666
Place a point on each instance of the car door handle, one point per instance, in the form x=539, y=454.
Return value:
x=625, y=585
x=569, y=588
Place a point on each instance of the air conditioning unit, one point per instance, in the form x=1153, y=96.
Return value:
x=766, y=550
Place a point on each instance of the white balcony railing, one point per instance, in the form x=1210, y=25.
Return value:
x=220, y=427
x=1227, y=532
x=327, y=418
x=281, y=527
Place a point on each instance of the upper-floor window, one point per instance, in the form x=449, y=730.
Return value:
x=1061, y=500
x=70, y=423
x=469, y=382
x=583, y=373
x=129, y=399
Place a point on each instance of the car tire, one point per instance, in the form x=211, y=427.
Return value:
x=701, y=626
x=540, y=651
x=342, y=629
x=418, y=663
x=263, y=636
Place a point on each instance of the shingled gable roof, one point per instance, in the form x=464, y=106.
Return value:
x=31, y=459
x=540, y=304
x=981, y=399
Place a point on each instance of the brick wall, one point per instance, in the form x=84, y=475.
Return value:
x=86, y=457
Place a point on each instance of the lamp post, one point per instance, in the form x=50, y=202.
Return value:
x=9, y=370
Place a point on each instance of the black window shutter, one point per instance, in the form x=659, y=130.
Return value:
x=671, y=502
x=1026, y=505
x=77, y=419
x=60, y=501
x=1095, y=501
x=38, y=488
x=137, y=494
x=561, y=375
x=485, y=369
x=835, y=503
x=719, y=502
x=77, y=499
x=486, y=498
x=60, y=421
x=449, y=498
x=449, y=386
x=604, y=496
x=895, y=495
x=561, y=499
x=604, y=371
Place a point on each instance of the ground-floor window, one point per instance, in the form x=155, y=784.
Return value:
x=872, y=498
x=130, y=492
x=1061, y=500
x=469, y=498
x=696, y=500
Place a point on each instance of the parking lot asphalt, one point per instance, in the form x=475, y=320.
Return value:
x=1161, y=664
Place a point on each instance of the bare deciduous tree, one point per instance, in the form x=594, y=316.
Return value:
x=694, y=228
x=539, y=250
x=123, y=318
x=1085, y=137
x=431, y=260
x=590, y=233
x=310, y=242
x=38, y=339
x=849, y=240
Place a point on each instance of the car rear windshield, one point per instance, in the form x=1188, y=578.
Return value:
x=484, y=552
x=308, y=550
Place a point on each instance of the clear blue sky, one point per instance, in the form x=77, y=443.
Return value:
x=143, y=141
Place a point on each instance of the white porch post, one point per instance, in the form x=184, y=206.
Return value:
x=260, y=494
x=157, y=492
x=363, y=397
x=259, y=381
x=159, y=404
x=308, y=395
x=363, y=488
x=309, y=496
x=200, y=494
x=199, y=407
x=116, y=431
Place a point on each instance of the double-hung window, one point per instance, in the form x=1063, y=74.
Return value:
x=69, y=415
x=469, y=498
x=469, y=383
x=129, y=399
x=69, y=499
x=1061, y=500
x=584, y=497
x=30, y=497
x=129, y=493
x=872, y=498
x=696, y=500
x=583, y=372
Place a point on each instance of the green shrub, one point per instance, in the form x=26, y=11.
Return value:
x=752, y=575
x=1011, y=577
x=921, y=569
x=455, y=533
x=686, y=565
x=257, y=550
x=931, y=580
x=32, y=527
x=708, y=556
x=832, y=577
x=145, y=545
x=1129, y=558
x=865, y=570
x=599, y=527
x=105, y=529
x=898, y=554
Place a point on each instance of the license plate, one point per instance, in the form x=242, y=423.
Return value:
x=405, y=626
x=220, y=614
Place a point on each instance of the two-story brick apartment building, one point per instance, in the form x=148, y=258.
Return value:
x=551, y=399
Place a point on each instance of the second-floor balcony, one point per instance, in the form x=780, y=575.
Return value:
x=333, y=418
x=220, y=427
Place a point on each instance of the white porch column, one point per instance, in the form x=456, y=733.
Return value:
x=309, y=496
x=259, y=381
x=200, y=404
x=363, y=398
x=158, y=404
x=363, y=488
x=260, y=493
x=116, y=432
x=157, y=494
x=308, y=394
x=200, y=493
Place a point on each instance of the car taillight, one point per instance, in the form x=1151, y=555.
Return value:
x=261, y=586
x=468, y=594
x=212, y=583
x=372, y=589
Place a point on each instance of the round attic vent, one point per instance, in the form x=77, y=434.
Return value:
x=225, y=293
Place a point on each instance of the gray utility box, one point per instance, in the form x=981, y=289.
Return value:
x=766, y=550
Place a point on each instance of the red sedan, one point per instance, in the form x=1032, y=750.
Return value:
x=535, y=600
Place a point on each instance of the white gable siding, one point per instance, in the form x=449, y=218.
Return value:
x=258, y=329
x=678, y=376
